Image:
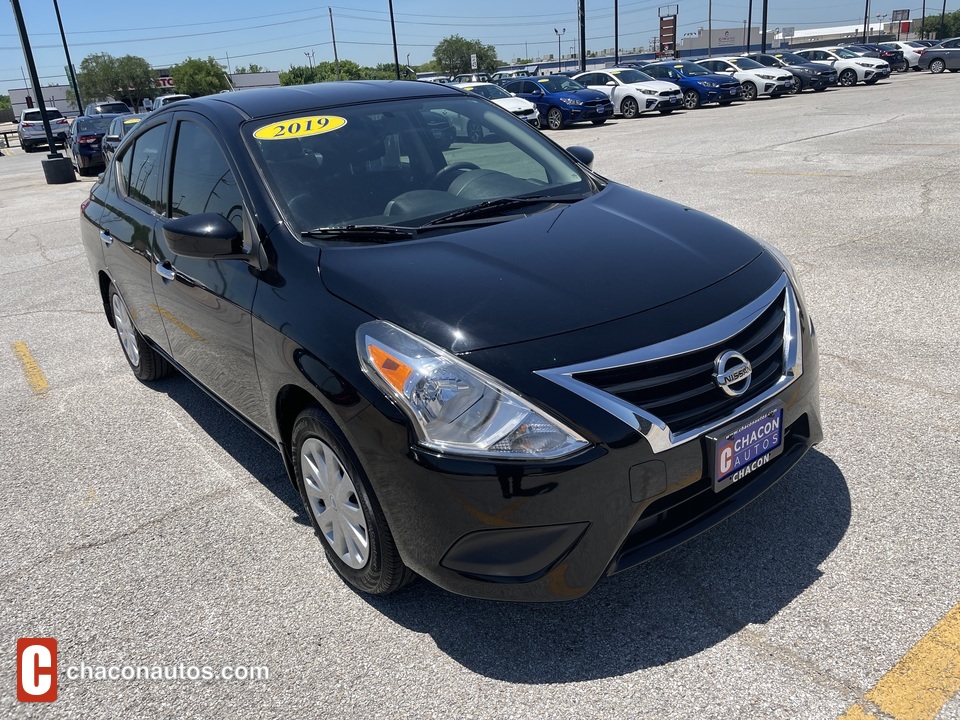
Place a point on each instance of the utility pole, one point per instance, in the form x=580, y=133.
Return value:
x=943, y=15
x=559, y=33
x=923, y=18
x=866, y=21
x=616, y=32
x=749, y=23
x=582, y=14
x=763, y=32
x=709, y=28
x=333, y=35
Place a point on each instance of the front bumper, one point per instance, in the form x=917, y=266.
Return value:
x=662, y=102
x=550, y=531
x=590, y=112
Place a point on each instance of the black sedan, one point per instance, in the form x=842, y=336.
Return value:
x=83, y=142
x=483, y=364
x=808, y=74
x=119, y=127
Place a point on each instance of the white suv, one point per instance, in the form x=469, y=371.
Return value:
x=754, y=78
x=165, y=100
x=633, y=92
x=31, y=132
x=850, y=67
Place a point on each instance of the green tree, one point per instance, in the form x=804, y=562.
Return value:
x=951, y=26
x=199, y=77
x=103, y=76
x=253, y=68
x=5, y=102
x=453, y=55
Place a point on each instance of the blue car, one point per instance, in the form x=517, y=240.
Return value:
x=83, y=142
x=561, y=101
x=699, y=85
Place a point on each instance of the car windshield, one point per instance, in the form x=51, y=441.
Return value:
x=491, y=92
x=106, y=108
x=34, y=115
x=630, y=75
x=791, y=58
x=691, y=69
x=845, y=54
x=97, y=123
x=747, y=64
x=559, y=84
x=405, y=162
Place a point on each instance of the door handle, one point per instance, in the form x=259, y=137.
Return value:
x=165, y=271
x=106, y=238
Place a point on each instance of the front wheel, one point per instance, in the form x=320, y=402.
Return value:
x=749, y=91
x=797, y=87
x=629, y=108
x=691, y=99
x=937, y=66
x=147, y=364
x=848, y=78
x=344, y=513
x=554, y=118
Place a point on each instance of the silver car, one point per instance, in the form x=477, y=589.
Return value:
x=30, y=128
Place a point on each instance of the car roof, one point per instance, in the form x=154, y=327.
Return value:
x=263, y=102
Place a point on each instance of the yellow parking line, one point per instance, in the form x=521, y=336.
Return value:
x=918, y=686
x=795, y=174
x=31, y=369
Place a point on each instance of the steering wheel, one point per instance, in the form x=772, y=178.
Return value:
x=444, y=175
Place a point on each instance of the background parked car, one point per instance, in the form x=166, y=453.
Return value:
x=107, y=108
x=892, y=56
x=805, y=73
x=945, y=56
x=119, y=127
x=30, y=128
x=472, y=77
x=633, y=91
x=756, y=79
x=83, y=142
x=911, y=52
x=562, y=101
x=851, y=68
x=698, y=84
x=165, y=100
x=523, y=109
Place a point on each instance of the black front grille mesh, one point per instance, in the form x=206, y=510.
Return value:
x=681, y=391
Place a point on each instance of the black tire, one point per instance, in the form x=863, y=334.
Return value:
x=629, y=108
x=819, y=89
x=691, y=99
x=339, y=493
x=27, y=147
x=601, y=121
x=147, y=364
x=848, y=78
x=797, y=86
x=872, y=81
x=554, y=118
x=749, y=91
x=937, y=66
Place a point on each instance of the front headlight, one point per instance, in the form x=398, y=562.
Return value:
x=648, y=92
x=866, y=65
x=766, y=77
x=787, y=267
x=571, y=101
x=707, y=83
x=456, y=408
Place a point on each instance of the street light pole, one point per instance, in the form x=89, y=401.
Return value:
x=559, y=33
x=393, y=30
x=66, y=51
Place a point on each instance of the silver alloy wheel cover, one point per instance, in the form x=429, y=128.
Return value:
x=334, y=503
x=125, y=330
x=555, y=118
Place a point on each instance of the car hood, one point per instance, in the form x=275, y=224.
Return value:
x=657, y=85
x=515, y=104
x=816, y=67
x=616, y=254
x=584, y=94
x=713, y=77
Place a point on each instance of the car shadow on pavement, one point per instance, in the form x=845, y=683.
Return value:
x=252, y=452
x=742, y=572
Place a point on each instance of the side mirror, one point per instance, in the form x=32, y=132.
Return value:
x=610, y=83
x=207, y=236
x=583, y=155
x=112, y=138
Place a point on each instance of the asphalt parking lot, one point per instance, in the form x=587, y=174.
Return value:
x=145, y=527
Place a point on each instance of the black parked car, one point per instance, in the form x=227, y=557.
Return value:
x=119, y=127
x=808, y=74
x=483, y=364
x=83, y=142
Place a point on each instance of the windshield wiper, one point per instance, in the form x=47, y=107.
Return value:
x=492, y=207
x=372, y=233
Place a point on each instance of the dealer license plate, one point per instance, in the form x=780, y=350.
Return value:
x=743, y=448
x=733, y=91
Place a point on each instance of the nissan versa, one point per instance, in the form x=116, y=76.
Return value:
x=482, y=363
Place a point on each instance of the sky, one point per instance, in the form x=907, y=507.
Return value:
x=279, y=33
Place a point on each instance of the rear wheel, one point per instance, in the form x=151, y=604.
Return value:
x=344, y=513
x=147, y=364
x=848, y=78
x=797, y=87
x=691, y=99
x=749, y=91
x=629, y=108
x=937, y=66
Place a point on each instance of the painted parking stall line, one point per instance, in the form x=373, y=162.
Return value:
x=918, y=686
x=31, y=368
